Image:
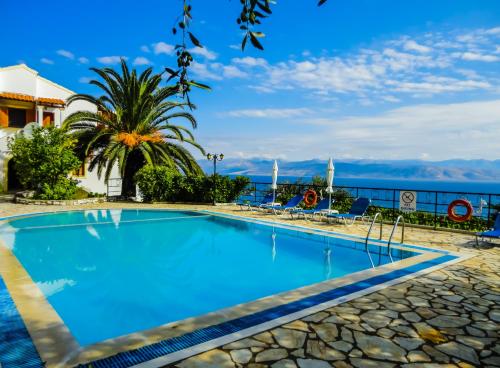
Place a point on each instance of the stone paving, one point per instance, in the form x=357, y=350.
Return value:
x=447, y=318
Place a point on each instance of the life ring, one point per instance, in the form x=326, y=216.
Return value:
x=310, y=198
x=460, y=218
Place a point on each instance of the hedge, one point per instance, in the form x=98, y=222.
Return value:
x=162, y=184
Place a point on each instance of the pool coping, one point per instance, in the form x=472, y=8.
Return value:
x=66, y=352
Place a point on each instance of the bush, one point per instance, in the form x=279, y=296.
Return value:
x=427, y=219
x=64, y=189
x=43, y=162
x=162, y=184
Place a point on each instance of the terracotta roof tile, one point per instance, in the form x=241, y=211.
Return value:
x=17, y=96
x=50, y=101
x=28, y=98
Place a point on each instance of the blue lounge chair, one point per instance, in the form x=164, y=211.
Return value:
x=266, y=200
x=492, y=233
x=357, y=211
x=320, y=207
x=289, y=206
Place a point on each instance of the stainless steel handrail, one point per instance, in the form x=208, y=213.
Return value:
x=400, y=217
x=371, y=226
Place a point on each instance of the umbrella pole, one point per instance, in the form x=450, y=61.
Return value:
x=329, y=202
x=274, y=196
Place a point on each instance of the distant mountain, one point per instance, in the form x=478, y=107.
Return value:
x=478, y=170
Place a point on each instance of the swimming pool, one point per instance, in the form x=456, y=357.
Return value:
x=110, y=275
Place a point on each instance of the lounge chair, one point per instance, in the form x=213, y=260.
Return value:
x=248, y=205
x=493, y=233
x=289, y=206
x=320, y=208
x=357, y=211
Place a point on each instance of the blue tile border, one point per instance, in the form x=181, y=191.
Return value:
x=159, y=349
x=16, y=348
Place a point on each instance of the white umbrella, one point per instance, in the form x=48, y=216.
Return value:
x=330, y=172
x=274, y=185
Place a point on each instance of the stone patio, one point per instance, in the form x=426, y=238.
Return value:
x=447, y=318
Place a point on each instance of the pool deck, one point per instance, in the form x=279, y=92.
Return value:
x=447, y=318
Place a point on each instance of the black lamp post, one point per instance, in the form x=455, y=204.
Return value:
x=215, y=157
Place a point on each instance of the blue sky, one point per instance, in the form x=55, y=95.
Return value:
x=352, y=79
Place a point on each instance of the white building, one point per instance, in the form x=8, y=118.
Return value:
x=26, y=97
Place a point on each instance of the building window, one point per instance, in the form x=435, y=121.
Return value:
x=80, y=172
x=17, y=118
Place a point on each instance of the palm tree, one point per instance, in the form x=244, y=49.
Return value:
x=132, y=126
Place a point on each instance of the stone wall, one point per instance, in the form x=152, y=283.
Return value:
x=70, y=202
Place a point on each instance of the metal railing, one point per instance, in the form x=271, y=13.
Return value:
x=377, y=215
x=400, y=217
x=428, y=202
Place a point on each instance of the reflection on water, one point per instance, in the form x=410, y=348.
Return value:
x=327, y=262
x=50, y=288
x=273, y=238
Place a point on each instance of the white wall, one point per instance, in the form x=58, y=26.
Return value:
x=78, y=106
x=91, y=182
x=18, y=80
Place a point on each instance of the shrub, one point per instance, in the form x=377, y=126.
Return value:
x=64, y=189
x=162, y=184
x=43, y=162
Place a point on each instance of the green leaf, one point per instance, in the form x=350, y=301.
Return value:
x=194, y=40
x=170, y=71
x=321, y=2
x=199, y=85
x=255, y=41
x=264, y=7
x=258, y=34
x=244, y=42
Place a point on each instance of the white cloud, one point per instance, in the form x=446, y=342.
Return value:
x=203, y=51
x=474, y=56
x=235, y=47
x=440, y=131
x=268, y=113
x=65, y=53
x=404, y=65
x=411, y=45
x=261, y=89
x=46, y=61
x=145, y=48
x=216, y=71
x=110, y=59
x=231, y=71
x=141, y=60
x=203, y=72
x=493, y=31
x=84, y=80
x=163, y=48
x=250, y=61
x=390, y=99
x=83, y=60
x=432, y=85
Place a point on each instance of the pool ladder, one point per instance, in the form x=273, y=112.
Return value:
x=378, y=215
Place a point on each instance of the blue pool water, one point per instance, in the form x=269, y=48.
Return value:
x=130, y=270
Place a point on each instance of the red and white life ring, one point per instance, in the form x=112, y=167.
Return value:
x=463, y=203
x=310, y=198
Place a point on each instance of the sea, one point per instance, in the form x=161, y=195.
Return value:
x=482, y=187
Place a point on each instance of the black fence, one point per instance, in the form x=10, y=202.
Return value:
x=431, y=206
